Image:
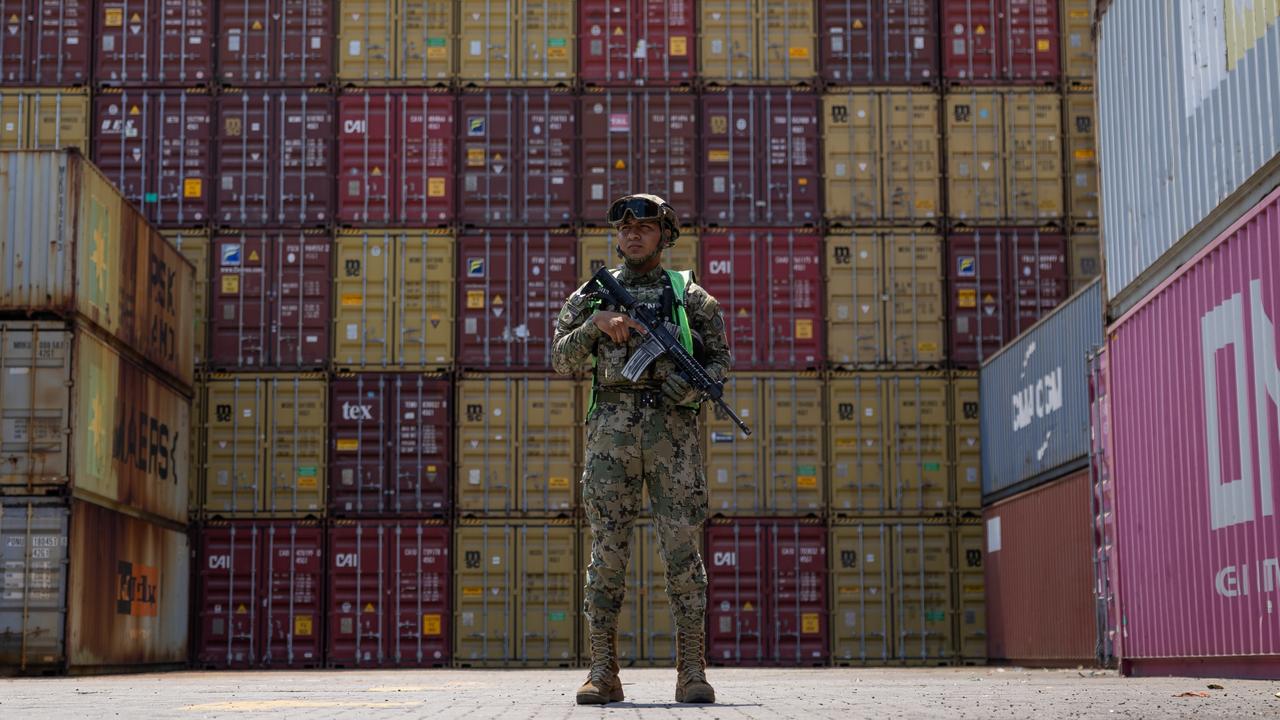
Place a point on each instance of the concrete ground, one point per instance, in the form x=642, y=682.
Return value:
x=842, y=693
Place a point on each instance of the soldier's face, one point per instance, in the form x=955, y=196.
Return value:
x=639, y=240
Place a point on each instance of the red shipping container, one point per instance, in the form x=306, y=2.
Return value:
x=271, y=307
x=769, y=286
x=511, y=287
x=760, y=162
x=155, y=43
x=388, y=594
x=637, y=42
x=1002, y=280
x=1194, y=396
x=157, y=147
x=46, y=42
x=390, y=448
x=258, y=602
x=395, y=157
x=766, y=593
x=275, y=158
x=518, y=164
x=880, y=41
x=1001, y=41
x=635, y=141
x=275, y=42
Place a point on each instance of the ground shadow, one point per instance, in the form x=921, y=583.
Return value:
x=676, y=705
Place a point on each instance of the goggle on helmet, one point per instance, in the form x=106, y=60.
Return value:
x=644, y=207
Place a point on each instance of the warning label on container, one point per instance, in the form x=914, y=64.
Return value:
x=115, y=17
x=192, y=188
x=798, y=53
x=431, y=624
x=435, y=187
x=679, y=46
x=804, y=329
x=475, y=299
x=350, y=300
x=809, y=623
x=348, y=444
x=806, y=481
x=1042, y=45
x=718, y=156
x=472, y=592
x=302, y=626
x=558, y=483
x=557, y=53
x=368, y=607
x=967, y=298
x=475, y=157
x=230, y=284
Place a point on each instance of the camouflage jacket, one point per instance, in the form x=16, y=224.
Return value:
x=577, y=340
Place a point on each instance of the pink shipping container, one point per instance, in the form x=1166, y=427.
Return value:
x=275, y=158
x=395, y=158
x=1001, y=41
x=769, y=286
x=760, y=160
x=388, y=594
x=766, y=592
x=878, y=41
x=275, y=42
x=1194, y=390
x=165, y=43
x=1106, y=571
x=1002, y=280
x=511, y=286
x=46, y=42
x=636, y=42
x=259, y=599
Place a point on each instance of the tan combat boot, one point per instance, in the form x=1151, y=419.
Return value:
x=603, y=685
x=691, y=668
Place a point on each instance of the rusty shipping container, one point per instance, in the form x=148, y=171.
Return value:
x=271, y=301
x=864, y=42
x=105, y=265
x=517, y=42
x=767, y=593
x=1044, y=571
x=635, y=140
x=258, y=602
x=395, y=158
x=275, y=161
x=275, y=42
x=90, y=590
x=390, y=446
x=999, y=41
x=636, y=42
x=1002, y=280
x=44, y=119
x=46, y=42
x=760, y=162
x=389, y=590
x=194, y=246
x=162, y=43
x=402, y=41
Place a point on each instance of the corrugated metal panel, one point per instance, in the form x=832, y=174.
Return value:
x=276, y=42
x=1035, y=399
x=986, y=41
x=1106, y=569
x=768, y=41
x=1039, y=575
x=1188, y=113
x=409, y=41
x=46, y=42
x=891, y=41
x=518, y=41
x=33, y=606
x=194, y=246
x=162, y=43
x=1082, y=160
x=46, y=119
x=966, y=441
x=971, y=592
x=861, y=592
x=1084, y=255
x=633, y=139
x=1077, y=43
x=645, y=42
x=1193, y=468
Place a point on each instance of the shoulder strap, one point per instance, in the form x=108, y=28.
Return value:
x=680, y=284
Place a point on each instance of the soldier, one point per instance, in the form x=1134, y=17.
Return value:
x=643, y=433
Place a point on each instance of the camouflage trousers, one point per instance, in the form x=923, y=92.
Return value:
x=630, y=446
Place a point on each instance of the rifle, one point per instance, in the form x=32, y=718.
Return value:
x=609, y=290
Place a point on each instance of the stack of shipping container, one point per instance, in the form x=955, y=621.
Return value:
x=387, y=203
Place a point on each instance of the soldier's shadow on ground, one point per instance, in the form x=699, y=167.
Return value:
x=677, y=706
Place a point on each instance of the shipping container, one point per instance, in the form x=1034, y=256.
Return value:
x=517, y=445
x=506, y=42
x=597, y=248
x=1197, y=532
x=922, y=602
x=762, y=41
x=267, y=449
x=1084, y=253
x=90, y=590
x=395, y=158
x=1002, y=280
x=74, y=247
x=767, y=593
x=881, y=159
x=84, y=416
x=259, y=597
x=516, y=599
x=884, y=299
x=1102, y=506
x=1077, y=44
x=864, y=42
x=971, y=594
x=760, y=163
x=194, y=246
x=636, y=42
x=46, y=42
x=391, y=445
x=409, y=41
x=1045, y=571
x=44, y=119
x=389, y=587
x=1035, y=399
x=1082, y=161
x=157, y=147
x=637, y=141
x=196, y=456
x=275, y=42
x=167, y=43
x=991, y=41
x=1186, y=126
x=966, y=442
x=271, y=301
x=862, y=593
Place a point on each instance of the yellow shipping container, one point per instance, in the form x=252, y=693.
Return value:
x=762, y=41
x=1082, y=160
x=971, y=593
x=194, y=246
x=975, y=160
x=1077, y=43
x=1084, y=257
x=396, y=41
x=966, y=442
x=861, y=585
x=596, y=249
x=517, y=41
x=44, y=119
x=1033, y=155
x=922, y=581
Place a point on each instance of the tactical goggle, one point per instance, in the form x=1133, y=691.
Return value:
x=640, y=209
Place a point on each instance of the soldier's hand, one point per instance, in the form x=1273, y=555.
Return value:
x=677, y=389
x=617, y=326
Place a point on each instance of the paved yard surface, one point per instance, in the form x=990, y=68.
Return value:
x=744, y=693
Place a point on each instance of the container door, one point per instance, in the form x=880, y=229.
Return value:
x=33, y=606
x=484, y=608
x=861, y=626
x=859, y=445
x=292, y=583
x=358, y=593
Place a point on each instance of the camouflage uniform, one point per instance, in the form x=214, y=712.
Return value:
x=630, y=445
